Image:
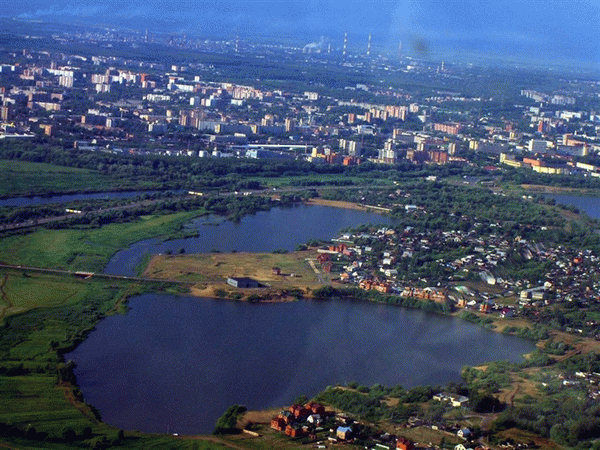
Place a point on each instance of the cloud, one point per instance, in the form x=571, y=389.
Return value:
x=55, y=11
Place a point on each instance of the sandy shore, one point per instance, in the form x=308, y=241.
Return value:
x=343, y=204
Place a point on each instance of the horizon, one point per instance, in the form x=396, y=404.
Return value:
x=559, y=32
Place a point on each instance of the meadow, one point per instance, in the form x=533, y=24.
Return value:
x=29, y=178
x=87, y=248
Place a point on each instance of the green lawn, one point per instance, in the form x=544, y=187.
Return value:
x=85, y=249
x=24, y=178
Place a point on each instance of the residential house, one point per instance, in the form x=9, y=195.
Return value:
x=343, y=433
x=278, y=424
x=295, y=431
x=464, y=433
x=316, y=408
x=403, y=443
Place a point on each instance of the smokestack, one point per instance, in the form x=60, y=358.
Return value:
x=345, y=44
x=369, y=47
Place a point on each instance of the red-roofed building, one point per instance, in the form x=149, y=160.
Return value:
x=404, y=444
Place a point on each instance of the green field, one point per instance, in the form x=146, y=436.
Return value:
x=27, y=178
x=86, y=249
x=19, y=294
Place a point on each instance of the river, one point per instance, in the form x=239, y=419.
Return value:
x=175, y=363
x=55, y=199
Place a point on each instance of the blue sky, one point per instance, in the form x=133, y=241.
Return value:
x=528, y=29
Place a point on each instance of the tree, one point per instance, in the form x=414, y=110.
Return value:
x=228, y=421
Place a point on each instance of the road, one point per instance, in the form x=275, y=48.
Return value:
x=87, y=274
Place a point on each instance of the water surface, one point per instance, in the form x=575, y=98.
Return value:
x=586, y=204
x=175, y=364
x=265, y=231
x=36, y=200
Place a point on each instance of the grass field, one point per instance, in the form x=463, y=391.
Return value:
x=25, y=178
x=29, y=393
x=85, y=249
x=19, y=294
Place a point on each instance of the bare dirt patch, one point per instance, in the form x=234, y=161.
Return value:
x=208, y=273
x=336, y=204
x=263, y=417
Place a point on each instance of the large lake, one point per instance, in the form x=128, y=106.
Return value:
x=175, y=363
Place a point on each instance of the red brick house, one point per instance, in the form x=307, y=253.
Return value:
x=404, y=444
x=299, y=411
x=278, y=424
x=294, y=431
x=316, y=408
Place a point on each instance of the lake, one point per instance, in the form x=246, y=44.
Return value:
x=175, y=363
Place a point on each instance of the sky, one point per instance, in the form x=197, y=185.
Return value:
x=561, y=30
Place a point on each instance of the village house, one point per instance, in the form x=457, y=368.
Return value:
x=453, y=399
x=344, y=433
x=314, y=419
x=403, y=443
x=464, y=433
x=295, y=430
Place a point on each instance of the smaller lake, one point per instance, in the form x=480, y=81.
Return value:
x=586, y=204
x=265, y=231
x=176, y=363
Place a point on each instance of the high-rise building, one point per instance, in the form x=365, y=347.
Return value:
x=289, y=125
